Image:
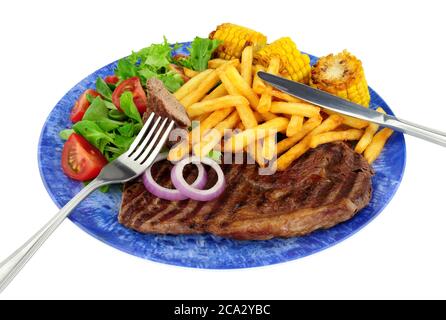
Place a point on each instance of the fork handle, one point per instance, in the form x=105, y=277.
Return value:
x=11, y=266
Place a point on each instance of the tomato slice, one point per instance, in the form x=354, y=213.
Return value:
x=80, y=160
x=111, y=79
x=134, y=86
x=81, y=105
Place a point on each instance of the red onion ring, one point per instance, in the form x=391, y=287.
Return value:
x=171, y=194
x=189, y=190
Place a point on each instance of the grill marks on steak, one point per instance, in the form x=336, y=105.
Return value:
x=326, y=186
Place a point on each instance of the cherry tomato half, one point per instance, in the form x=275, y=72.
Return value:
x=81, y=105
x=80, y=160
x=134, y=86
x=111, y=79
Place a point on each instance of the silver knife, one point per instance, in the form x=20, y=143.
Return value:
x=334, y=103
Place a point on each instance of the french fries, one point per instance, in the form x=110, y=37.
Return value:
x=180, y=150
x=246, y=114
x=367, y=137
x=241, y=85
x=295, y=108
x=217, y=63
x=214, y=119
x=307, y=127
x=331, y=136
x=189, y=72
x=212, y=138
x=239, y=141
x=201, y=117
x=240, y=126
x=265, y=99
x=354, y=122
x=284, y=96
x=245, y=102
x=218, y=92
x=266, y=116
x=227, y=84
x=292, y=154
x=258, y=156
x=204, y=87
x=295, y=125
x=255, y=150
x=331, y=123
x=365, y=140
x=191, y=85
x=258, y=116
x=269, y=149
x=246, y=65
x=209, y=82
x=210, y=122
x=215, y=104
x=376, y=146
x=258, y=86
x=284, y=161
x=350, y=121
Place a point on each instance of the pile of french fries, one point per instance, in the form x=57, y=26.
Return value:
x=229, y=95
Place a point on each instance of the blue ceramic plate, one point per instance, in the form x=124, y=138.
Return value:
x=98, y=214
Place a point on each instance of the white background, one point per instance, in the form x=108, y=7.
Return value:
x=47, y=47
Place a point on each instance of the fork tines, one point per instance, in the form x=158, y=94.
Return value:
x=150, y=139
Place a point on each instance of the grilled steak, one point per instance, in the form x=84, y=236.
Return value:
x=164, y=104
x=324, y=187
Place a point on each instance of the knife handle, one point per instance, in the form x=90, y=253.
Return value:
x=416, y=130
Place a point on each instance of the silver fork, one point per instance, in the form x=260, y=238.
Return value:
x=128, y=166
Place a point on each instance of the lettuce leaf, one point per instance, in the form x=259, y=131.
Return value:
x=103, y=89
x=125, y=69
x=150, y=62
x=200, y=52
x=172, y=80
x=65, y=134
x=94, y=134
x=129, y=108
x=98, y=112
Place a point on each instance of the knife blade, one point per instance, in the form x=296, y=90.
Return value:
x=342, y=106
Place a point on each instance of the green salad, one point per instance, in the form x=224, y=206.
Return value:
x=107, y=119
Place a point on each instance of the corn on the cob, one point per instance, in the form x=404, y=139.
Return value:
x=235, y=38
x=341, y=74
x=293, y=62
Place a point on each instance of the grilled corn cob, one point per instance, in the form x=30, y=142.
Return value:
x=341, y=74
x=235, y=38
x=293, y=62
